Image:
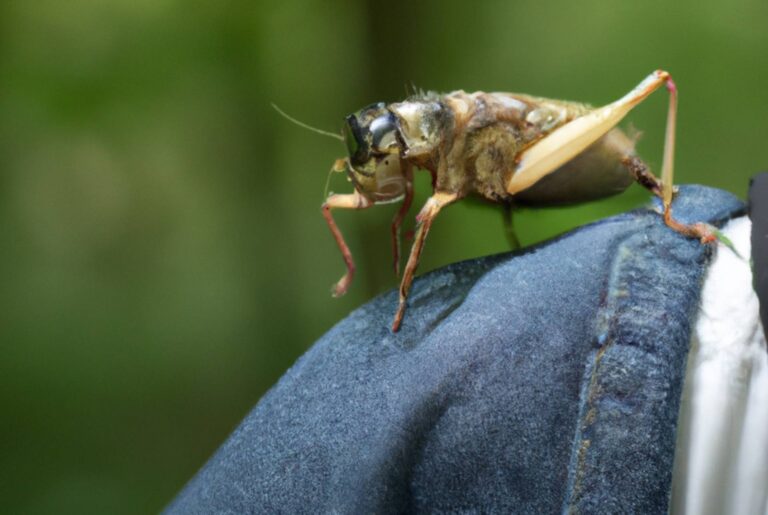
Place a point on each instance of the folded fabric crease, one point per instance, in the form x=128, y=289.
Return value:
x=533, y=382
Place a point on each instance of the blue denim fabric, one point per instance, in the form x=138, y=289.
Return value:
x=541, y=381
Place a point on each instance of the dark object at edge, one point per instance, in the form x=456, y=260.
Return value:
x=542, y=381
x=758, y=212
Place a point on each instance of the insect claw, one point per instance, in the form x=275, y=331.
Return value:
x=398, y=316
x=706, y=233
x=341, y=287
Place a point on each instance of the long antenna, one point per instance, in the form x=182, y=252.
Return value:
x=308, y=127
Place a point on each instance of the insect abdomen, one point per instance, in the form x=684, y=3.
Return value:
x=503, y=125
x=595, y=173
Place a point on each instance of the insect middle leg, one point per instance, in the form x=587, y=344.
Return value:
x=399, y=216
x=509, y=227
x=425, y=218
x=349, y=201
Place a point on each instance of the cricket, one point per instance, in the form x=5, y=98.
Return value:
x=510, y=149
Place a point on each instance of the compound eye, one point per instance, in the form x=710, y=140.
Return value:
x=356, y=145
x=349, y=139
x=384, y=133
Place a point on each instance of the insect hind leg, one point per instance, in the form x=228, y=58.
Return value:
x=397, y=221
x=649, y=181
x=644, y=177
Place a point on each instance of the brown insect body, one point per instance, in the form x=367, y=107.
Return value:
x=479, y=144
x=504, y=147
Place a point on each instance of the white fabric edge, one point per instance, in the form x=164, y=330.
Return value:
x=721, y=459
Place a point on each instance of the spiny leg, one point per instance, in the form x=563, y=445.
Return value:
x=425, y=218
x=349, y=201
x=645, y=178
x=400, y=215
x=642, y=175
x=509, y=227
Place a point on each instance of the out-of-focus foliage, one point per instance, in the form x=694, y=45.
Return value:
x=162, y=255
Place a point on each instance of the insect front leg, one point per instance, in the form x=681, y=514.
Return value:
x=425, y=218
x=400, y=215
x=348, y=201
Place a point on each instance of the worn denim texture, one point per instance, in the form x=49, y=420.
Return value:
x=540, y=381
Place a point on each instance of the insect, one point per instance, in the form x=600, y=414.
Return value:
x=507, y=148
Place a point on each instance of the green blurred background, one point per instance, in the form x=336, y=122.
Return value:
x=162, y=253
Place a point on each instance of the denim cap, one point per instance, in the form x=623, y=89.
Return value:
x=539, y=381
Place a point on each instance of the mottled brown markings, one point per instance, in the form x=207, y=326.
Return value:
x=504, y=147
